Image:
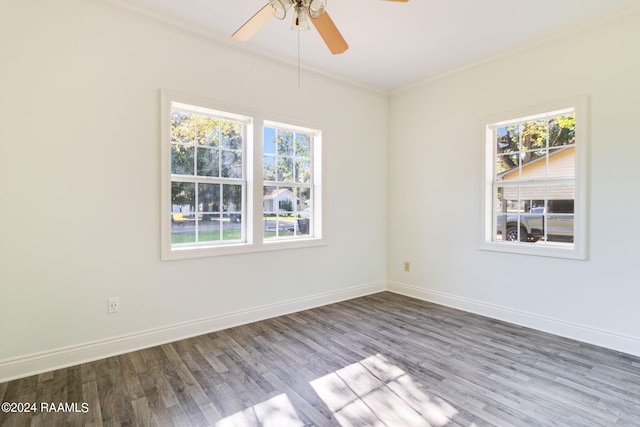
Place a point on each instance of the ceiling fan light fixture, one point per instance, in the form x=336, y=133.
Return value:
x=279, y=8
x=316, y=8
x=300, y=21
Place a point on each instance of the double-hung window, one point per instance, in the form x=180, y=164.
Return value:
x=288, y=202
x=535, y=181
x=234, y=182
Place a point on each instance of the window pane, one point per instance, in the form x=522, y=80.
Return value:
x=183, y=232
x=183, y=197
x=286, y=201
x=287, y=211
x=506, y=167
x=286, y=226
x=531, y=195
x=507, y=214
x=285, y=169
x=269, y=211
x=285, y=143
x=560, y=216
x=208, y=162
x=303, y=199
x=269, y=203
x=207, y=219
x=269, y=167
x=231, y=164
x=232, y=205
x=232, y=230
x=532, y=225
x=208, y=198
x=533, y=163
x=303, y=211
x=534, y=135
x=562, y=162
x=560, y=229
x=561, y=195
x=207, y=131
x=183, y=202
x=279, y=211
x=509, y=228
x=562, y=131
x=508, y=139
x=508, y=200
x=302, y=171
x=303, y=145
x=269, y=141
x=182, y=127
x=231, y=133
x=209, y=227
x=232, y=199
x=182, y=160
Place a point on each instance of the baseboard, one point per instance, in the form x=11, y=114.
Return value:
x=601, y=338
x=64, y=357
x=60, y=358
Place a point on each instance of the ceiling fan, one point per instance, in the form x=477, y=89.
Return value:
x=303, y=9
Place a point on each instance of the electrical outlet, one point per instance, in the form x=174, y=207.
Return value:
x=114, y=305
x=407, y=266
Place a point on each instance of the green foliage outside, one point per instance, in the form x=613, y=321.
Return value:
x=206, y=146
x=531, y=140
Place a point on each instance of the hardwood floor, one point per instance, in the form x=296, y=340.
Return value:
x=380, y=360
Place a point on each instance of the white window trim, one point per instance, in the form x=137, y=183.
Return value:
x=578, y=104
x=253, y=177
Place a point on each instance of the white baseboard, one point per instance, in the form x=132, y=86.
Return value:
x=60, y=358
x=607, y=339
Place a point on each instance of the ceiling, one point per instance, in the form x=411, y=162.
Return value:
x=391, y=45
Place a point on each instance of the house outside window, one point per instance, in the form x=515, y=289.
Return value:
x=535, y=182
x=235, y=183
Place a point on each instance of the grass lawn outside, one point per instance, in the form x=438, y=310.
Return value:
x=184, y=231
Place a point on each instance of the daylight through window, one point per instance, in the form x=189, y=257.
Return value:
x=227, y=191
x=207, y=177
x=287, y=168
x=534, y=188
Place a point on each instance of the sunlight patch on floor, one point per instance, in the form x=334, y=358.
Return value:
x=275, y=412
x=376, y=392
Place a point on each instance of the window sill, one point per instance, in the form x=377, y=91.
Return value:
x=238, y=249
x=531, y=249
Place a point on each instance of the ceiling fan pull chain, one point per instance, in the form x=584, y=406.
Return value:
x=298, y=58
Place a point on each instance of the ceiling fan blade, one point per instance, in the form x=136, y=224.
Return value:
x=330, y=33
x=257, y=21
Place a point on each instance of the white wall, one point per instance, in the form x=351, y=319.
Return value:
x=80, y=196
x=436, y=152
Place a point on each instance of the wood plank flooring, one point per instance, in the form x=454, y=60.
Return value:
x=383, y=360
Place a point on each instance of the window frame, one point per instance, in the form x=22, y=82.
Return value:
x=577, y=105
x=203, y=179
x=315, y=137
x=252, y=177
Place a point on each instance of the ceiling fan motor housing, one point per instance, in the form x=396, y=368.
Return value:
x=314, y=8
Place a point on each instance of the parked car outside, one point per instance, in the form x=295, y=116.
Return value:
x=534, y=225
